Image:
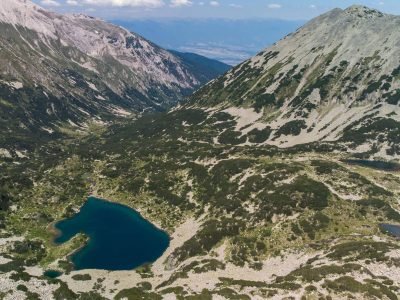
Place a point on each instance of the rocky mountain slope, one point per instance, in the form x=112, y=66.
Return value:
x=335, y=79
x=66, y=70
x=247, y=219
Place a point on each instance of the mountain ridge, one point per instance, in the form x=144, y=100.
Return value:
x=319, y=82
x=65, y=71
x=227, y=40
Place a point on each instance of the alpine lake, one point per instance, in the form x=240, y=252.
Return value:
x=119, y=238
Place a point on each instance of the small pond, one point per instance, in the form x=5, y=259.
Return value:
x=52, y=273
x=391, y=229
x=375, y=164
x=119, y=237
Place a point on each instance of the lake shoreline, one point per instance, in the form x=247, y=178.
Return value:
x=113, y=228
x=388, y=166
x=391, y=229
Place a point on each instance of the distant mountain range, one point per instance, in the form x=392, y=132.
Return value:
x=230, y=41
x=59, y=71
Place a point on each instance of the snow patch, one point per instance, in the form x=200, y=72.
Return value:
x=120, y=112
x=100, y=97
x=49, y=130
x=92, y=86
x=14, y=84
x=5, y=153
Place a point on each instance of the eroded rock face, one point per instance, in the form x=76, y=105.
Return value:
x=97, y=39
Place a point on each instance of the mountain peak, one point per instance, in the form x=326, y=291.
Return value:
x=345, y=63
x=362, y=11
x=106, y=70
x=27, y=14
x=83, y=16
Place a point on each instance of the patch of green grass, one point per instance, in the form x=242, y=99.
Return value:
x=291, y=128
x=63, y=292
x=137, y=293
x=82, y=277
x=349, y=284
x=259, y=136
x=315, y=274
x=362, y=250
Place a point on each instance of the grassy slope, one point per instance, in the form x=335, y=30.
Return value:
x=206, y=68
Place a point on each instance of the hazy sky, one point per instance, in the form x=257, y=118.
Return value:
x=156, y=9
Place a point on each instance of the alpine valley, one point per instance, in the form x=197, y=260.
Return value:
x=277, y=180
x=62, y=72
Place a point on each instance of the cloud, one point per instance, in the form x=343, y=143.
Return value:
x=72, y=2
x=121, y=3
x=274, y=6
x=235, y=5
x=178, y=3
x=313, y=6
x=49, y=3
x=214, y=3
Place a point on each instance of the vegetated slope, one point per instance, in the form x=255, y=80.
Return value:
x=335, y=79
x=65, y=70
x=210, y=68
x=246, y=222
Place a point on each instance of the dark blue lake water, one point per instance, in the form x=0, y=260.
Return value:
x=52, y=273
x=375, y=164
x=119, y=238
x=391, y=229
